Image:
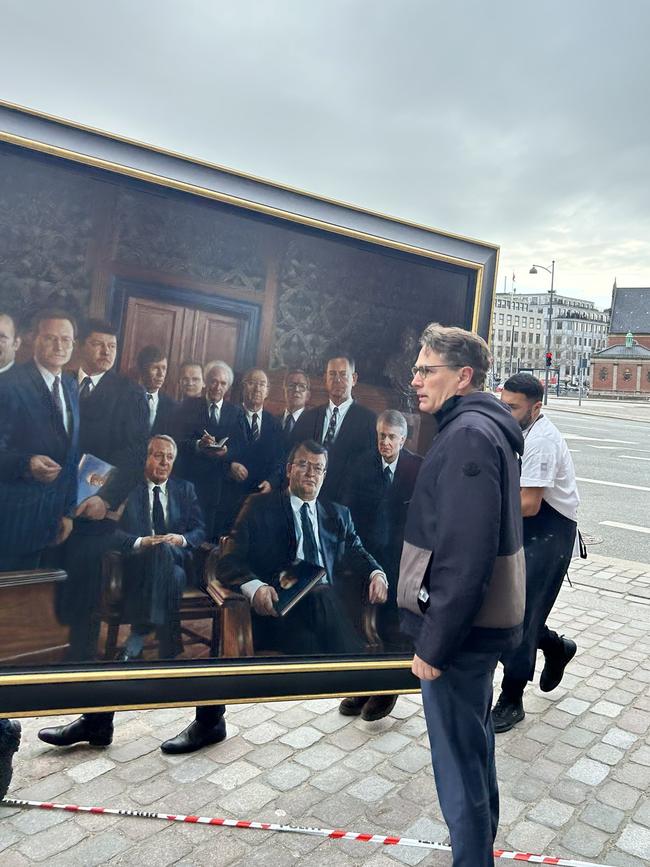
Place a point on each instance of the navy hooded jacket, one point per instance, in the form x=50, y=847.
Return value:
x=462, y=573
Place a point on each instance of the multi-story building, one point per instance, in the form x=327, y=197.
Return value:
x=578, y=329
x=517, y=336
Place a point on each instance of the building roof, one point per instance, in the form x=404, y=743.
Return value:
x=621, y=350
x=630, y=311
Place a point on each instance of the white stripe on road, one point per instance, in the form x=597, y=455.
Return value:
x=601, y=447
x=570, y=436
x=613, y=484
x=575, y=451
x=632, y=457
x=634, y=527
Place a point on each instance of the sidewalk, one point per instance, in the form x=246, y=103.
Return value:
x=573, y=774
x=622, y=410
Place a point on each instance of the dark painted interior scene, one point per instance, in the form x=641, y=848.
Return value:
x=208, y=440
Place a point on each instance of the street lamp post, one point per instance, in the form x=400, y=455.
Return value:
x=512, y=330
x=551, y=271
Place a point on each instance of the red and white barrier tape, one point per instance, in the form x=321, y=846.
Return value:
x=331, y=833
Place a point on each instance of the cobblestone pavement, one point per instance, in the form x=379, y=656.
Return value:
x=573, y=775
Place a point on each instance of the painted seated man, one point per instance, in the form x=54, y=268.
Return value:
x=275, y=529
x=160, y=529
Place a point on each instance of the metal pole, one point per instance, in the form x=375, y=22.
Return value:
x=512, y=330
x=548, y=333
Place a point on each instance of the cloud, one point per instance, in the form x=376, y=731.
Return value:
x=523, y=124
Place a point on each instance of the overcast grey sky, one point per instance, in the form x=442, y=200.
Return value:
x=517, y=122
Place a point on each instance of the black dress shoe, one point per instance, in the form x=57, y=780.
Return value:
x=77, y=732
x=9, y=743
x=195, y=737
x=506, y=714
x=377, y=707
x=353, y=706
x=555, y=662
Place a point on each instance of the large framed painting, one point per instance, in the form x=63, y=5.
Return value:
x=205, y=378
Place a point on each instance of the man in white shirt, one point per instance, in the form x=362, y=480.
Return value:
x=9, y=342
x=297, y=391
x=343, y=426
x=274, y=530
x=152, y=373
x=259, y=462
x=549, y=506
x=39, y=431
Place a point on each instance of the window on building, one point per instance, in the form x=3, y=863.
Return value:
x=539, y=323
x=524, y=321
x=508, y=319
x=516, y=337
x=500, y=335
x=538, y=339
x=508, y=334
x=500, y=318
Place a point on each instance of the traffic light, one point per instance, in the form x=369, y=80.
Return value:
x=549, y=359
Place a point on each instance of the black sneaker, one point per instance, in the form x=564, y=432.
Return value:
x=554, y=664
x=506, y=714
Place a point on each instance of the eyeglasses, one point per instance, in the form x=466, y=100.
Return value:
x=423, y=370
x=317, y=469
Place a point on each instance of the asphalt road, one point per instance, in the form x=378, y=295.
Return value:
x=612, y=461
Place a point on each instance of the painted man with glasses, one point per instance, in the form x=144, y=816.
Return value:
x=462, y=578
x=343, y=426
x=297, y=391
x=274, y=530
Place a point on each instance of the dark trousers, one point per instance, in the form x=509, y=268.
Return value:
x=207, y=715
x=154, y=579
x=79, y=598
x=548, y=545
x=457, y=709
x=317, y=624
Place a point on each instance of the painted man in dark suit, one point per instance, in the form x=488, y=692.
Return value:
x=114, y=427
x=343, y=426
x=152, y=373
x=39, y=432
x=190, y=379
x=9, y=342
x=160, y=529
x=275, y=529
x=297, y=391
x=378, y=493
x=202, y=423
x=259, y=466
x=114, y=417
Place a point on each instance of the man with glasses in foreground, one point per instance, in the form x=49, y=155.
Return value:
x=274, y=530
x=462, y=578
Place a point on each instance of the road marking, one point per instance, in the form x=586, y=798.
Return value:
x=634, y=457
x=575, y=451
x=570, y=436
x=634, y=527
x=613, y=484
x=601, y=447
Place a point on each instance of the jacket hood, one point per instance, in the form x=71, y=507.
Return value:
x=488, y=405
